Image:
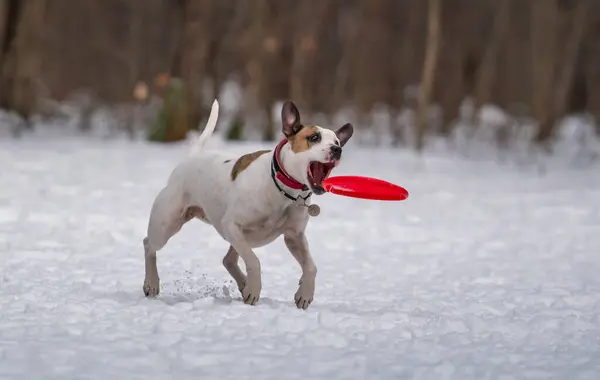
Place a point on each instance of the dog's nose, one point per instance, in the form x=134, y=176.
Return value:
x=336, y=152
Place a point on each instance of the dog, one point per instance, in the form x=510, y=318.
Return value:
x=250, y=200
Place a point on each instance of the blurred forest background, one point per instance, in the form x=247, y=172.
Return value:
x=411, y=69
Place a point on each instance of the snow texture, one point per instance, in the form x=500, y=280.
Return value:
x=484, y=272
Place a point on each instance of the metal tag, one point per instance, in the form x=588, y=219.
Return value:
x=314, y=210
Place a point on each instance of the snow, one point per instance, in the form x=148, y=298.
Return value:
x=486, y=271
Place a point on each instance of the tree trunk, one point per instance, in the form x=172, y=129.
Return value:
x=345, y=38
x=259, y=47
x=4, y=7
x=134, y=61
x=486, y=74
x=407, y=66
x=22, y=63
x=544, y=35
x=196, y=35
x=449, y=85
x=566, y=79
x=429, y=68
x=372, y=62
x=309, y=24
x=514, y=88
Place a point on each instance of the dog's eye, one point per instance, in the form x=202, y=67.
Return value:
x=314, y=138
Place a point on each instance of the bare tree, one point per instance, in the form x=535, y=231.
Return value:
x=4, y=9
x=346, y=38
x=371, y=61
x=258, y=45
x=409, y=58
x=566, y=76
x=133, y=58
x=325, y=55
x=196, y=35
x=429, y=68
x=486, y=74
x=450, y=81
x=21, y=66
x=544, y=34
x=308, y=25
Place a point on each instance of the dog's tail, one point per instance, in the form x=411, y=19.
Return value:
x=208, y=129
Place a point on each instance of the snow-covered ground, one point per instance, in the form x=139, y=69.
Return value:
x=484, y=272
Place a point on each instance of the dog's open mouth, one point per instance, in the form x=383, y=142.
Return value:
x=317, y=173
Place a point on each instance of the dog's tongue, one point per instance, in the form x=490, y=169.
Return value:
x=318, y=172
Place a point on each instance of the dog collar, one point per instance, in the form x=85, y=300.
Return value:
x=278, y=173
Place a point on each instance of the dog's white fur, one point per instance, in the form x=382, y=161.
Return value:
x=248, y=212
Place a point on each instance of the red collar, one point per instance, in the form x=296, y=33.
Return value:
x=278, y=172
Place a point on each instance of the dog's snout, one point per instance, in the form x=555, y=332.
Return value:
x=336, y=152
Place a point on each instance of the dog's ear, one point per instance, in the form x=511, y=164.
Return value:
x=344, y=133
x=290, y=119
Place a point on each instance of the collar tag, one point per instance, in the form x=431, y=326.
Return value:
x=314, y=210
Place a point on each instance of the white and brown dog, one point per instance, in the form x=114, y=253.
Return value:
x=250, y=200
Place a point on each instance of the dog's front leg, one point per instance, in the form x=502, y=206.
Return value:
x=235, y=236
x=298, y=246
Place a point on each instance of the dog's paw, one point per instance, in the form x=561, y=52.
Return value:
x=151, y=288
x=251, y=292
x=305, y=294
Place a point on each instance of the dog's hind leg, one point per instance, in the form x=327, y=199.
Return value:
x=230, y=262
x=168, y=215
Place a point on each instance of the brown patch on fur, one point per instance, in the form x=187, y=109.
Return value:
x=299, y=141
x=244, y=161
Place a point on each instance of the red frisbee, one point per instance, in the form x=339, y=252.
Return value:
x=365, y=188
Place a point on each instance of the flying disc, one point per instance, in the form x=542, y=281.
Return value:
x=365, y=188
